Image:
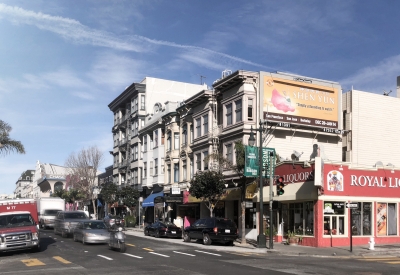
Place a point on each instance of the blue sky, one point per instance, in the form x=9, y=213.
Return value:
x=63, y=61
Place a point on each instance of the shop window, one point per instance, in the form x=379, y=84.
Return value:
x=361, y=219
x=298, y=218
x=386, y=219
x=334, y=218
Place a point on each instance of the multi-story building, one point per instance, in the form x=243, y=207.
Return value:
x=130, y=110
x=48, y=178
x=23, y=186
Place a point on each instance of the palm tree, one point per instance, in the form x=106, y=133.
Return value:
x=7, y=144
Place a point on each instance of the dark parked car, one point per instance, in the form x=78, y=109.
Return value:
x=91, y=231
x=212, y=230
x=163, y=229
x=66, y=221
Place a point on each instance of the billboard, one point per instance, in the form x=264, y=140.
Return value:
x=296, y=100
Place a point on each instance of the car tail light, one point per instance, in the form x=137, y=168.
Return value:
x=163, y=228
x=215, y=229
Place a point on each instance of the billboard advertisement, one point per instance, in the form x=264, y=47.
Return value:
x=296, y=100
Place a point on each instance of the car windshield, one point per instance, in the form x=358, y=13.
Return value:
x=94, y=225
x=51, y=212
x=75, y=215
x=16, y=220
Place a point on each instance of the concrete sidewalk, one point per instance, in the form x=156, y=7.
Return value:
x=289, y=250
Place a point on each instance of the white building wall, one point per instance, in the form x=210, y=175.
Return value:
x=375, y=130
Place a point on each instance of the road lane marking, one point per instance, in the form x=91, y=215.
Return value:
x=148, y=249
x=395, y=262
x=130, y=244
x=32, y=262
x=162, y=255
x=64, y=261
x=130, y=255
x=208, y=253
x=105, y=257
x=184, y=253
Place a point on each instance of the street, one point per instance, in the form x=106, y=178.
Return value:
x=147, y=255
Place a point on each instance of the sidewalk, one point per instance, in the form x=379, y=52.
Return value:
x=289, y=250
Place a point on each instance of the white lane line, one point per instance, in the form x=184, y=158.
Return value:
x=208, y=253
x=162, y=255
x=130, y=255
x=105, y=257
x=184, y=253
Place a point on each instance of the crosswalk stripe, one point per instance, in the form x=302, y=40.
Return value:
x=32, y=262
x=394, y=262
x=184, y=253
x=162, y=255
x=208, y=253
x=107, y=258
x=133, y=256
x=64, y=261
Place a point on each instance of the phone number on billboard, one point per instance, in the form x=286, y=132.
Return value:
x=325, y=123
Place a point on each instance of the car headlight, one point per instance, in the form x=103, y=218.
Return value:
x=35, y=236
x=90, y=234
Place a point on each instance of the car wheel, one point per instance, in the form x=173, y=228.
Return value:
x=36, y=249
x=230, y=243
x=206, y=239
x=146, y=233
x=186, y=237
x=83, y=240
x=122, y=247
x=63, y=234
x=42, y=225
x=55, y=231
x=74, y=237
x=157, y=235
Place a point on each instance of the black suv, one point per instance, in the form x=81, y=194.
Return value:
x=212, y=230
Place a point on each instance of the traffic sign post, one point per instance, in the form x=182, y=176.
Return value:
x=351, y=206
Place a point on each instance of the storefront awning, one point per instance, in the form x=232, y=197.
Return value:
x=149, y=201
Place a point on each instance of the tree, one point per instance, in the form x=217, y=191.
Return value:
x=8, y=145
x=209, y=187
x=128, y=196
x=83, y=166
x=224, y=163
x=109, y=193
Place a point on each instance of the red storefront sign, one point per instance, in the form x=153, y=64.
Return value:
x=293, y=173
x=342, y=181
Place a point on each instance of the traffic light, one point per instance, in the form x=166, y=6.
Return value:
x=279, y=186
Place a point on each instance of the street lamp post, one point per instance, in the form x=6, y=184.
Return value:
x=261, y=239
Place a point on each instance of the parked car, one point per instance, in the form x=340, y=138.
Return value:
x=66, y=221
x=163, y=229
x=212, y=230
x=110, y=220
x=92, y=231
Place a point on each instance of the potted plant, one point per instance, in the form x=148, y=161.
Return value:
x=292, y=239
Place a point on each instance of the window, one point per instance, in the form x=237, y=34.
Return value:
x=198, y=127
x=151, y=169
x=229, y=153
x=144, y=170
x=386, y=219
x=169, y=173
x=361, y=219
x=198, y=162
x=151, y=142
x=162, y=136
x=155, y=166
x=155, y=138
x=184, y=171
x=191, y=168
x=238, y=105
x=176, y=172
x=136, y=153
x=184, y=134
x=136, y=104
x=191, y=133
x=176, y=141
x=334, y=218
x=144, y=143
x=162, y=166
x=135, y=176
x=229, y=114
x=205, y=124
x=205, y=154
x=142, y=102
x=169, y=141
x=250, y=115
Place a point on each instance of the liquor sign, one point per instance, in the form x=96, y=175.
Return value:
x=252, y=161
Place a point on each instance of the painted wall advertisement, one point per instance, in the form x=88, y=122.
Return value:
x=296, y=102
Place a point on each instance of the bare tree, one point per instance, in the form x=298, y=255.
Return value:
x=83, y=168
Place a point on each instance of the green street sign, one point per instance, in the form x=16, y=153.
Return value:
x=251, y=167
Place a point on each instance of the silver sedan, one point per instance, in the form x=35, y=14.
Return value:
x=92, y=231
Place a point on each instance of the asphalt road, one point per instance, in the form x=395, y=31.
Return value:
x=154, y=256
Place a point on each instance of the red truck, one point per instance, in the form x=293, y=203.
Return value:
x=19, y=225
